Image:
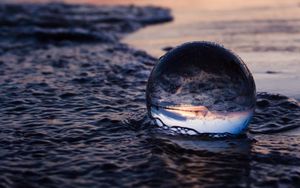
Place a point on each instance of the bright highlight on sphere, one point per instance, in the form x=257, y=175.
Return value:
x=202, y=87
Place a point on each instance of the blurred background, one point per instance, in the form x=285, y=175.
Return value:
x=265, y=34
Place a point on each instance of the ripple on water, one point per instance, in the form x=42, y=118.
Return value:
x=66, y=124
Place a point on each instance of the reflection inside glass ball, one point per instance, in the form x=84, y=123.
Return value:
x=201, y=87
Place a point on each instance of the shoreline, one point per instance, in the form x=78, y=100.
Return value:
x=73, y=111
x=263, y=33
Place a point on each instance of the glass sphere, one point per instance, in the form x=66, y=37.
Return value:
x=202, y=87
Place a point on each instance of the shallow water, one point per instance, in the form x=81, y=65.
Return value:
x=73, y=111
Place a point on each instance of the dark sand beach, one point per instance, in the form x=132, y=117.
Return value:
x=73, y=109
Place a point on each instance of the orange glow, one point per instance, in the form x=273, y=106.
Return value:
x=189, y=111
x=200, y=112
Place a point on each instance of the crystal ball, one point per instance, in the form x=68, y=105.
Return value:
x=202, y=87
